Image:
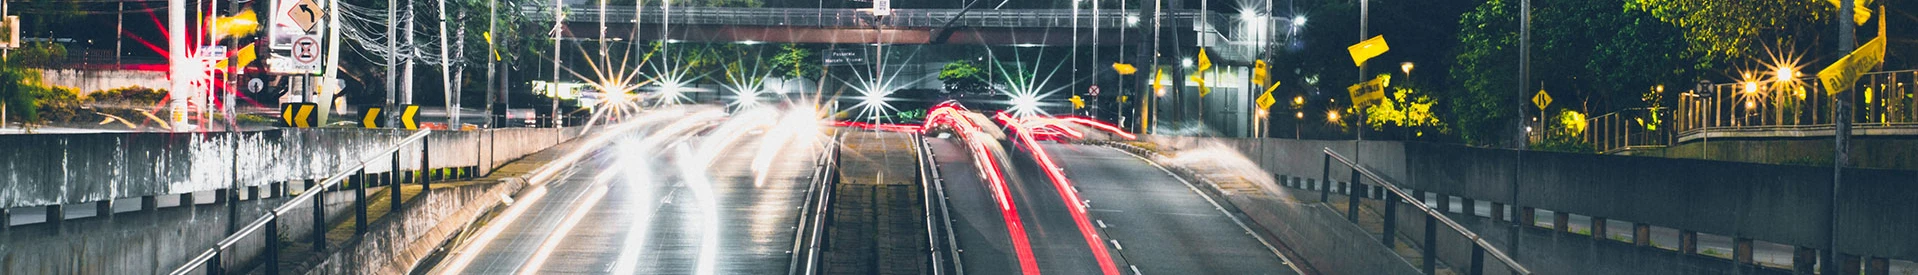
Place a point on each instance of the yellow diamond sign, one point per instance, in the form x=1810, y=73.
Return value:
x=1542, y=100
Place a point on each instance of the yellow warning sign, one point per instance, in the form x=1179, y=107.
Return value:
x=1542, y=100
x=408, y=114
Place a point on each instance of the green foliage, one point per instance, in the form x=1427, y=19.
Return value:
x=1722, y=30
x=1486, y=69
x=1406, y=108
x=18, y=97
x=963, y=76
x=38, y=55
x=1565, y=144
x=795, y=62
x=131, y=96
x=1593, y=55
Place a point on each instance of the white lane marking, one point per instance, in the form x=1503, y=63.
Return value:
x=1115, y=244
x=1102, y=223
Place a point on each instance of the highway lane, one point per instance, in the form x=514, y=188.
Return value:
x=981, y=222
x=1161, y=225
x=633, y=210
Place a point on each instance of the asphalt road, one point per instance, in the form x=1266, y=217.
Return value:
x=1159, y=224
x=631, y=212
x=983, y=225
x=1162, y=225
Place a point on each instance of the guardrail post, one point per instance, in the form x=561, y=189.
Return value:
x=213, y=265
x=1352, y=197
x=393, y=187
x=1430, y=264
x=6, y=219
x=426, y=177
x=272, y=258
x=319, y=221
x=1391, y=219
x=56, y=214
x=1478, y=260
x=1325, y=178
x=359, y=201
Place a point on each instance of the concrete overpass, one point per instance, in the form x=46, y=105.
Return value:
x=853, y=26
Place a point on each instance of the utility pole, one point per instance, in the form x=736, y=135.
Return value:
x=1524, y=84
x=177, y=64
x=392, y=56
x=446, y=75
x=1847, y=41
x=412, y=50
x=492, y=57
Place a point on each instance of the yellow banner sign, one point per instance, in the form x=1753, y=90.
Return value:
x=1368, y=49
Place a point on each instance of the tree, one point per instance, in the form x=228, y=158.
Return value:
x=794, y=61
x=964, y=77
x=1406, y=109
x=1593, y=55
x=1724, y=30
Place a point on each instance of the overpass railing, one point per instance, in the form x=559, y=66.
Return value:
x=1883, y=104
x=266, y=229
x=811, y=234
x=1393, y=197
x=945, y=258
x=804, y=17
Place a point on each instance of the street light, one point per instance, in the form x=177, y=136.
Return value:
x=1406, y=67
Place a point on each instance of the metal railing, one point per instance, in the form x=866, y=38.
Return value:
x=938, y=215
x=1884, y=104
x=812, y=219
x=1629, y=129
x=1796, y=108
x=1390, y=214
x=211, y=261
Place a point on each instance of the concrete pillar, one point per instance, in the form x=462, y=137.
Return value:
x=1561, y=221
x=1742, y=250
x=1444, y=203
x=149, y=203
x=1526, y=216
x=220, y=195
x=279, y=189
x=186, y=199
x=1804, y=261
x=103, y=208
x=1298, y=182
x=1878, y=266
x=1641, y=234
x=6, y=218
x=1687, y=242
x=1498, y=212
x=1598, y=229
x=253, y=192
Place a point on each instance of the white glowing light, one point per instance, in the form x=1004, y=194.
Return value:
x=1132, y=20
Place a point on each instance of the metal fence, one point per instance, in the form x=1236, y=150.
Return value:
x=1393, y=196
x=1883, y=104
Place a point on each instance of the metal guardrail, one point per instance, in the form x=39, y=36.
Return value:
x=210, y=260
x=1884, y=104
x=1432, y=217
x=812, y=220
x=938, y=215
x=913, y=18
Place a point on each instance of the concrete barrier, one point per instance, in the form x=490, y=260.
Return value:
x=61, y=169
x=1783, y=204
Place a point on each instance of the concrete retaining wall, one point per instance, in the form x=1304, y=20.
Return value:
x=59, y=169
x=392, y=245
x=1782, y=204
x=142, y=242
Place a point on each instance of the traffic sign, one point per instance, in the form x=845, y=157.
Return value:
x=1368, y=49
x=306, y=14
x=1094, y=91
x=409, y=116
x=1542, y=99
x=306, y=49
x=255, y=85
x=370, y=117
